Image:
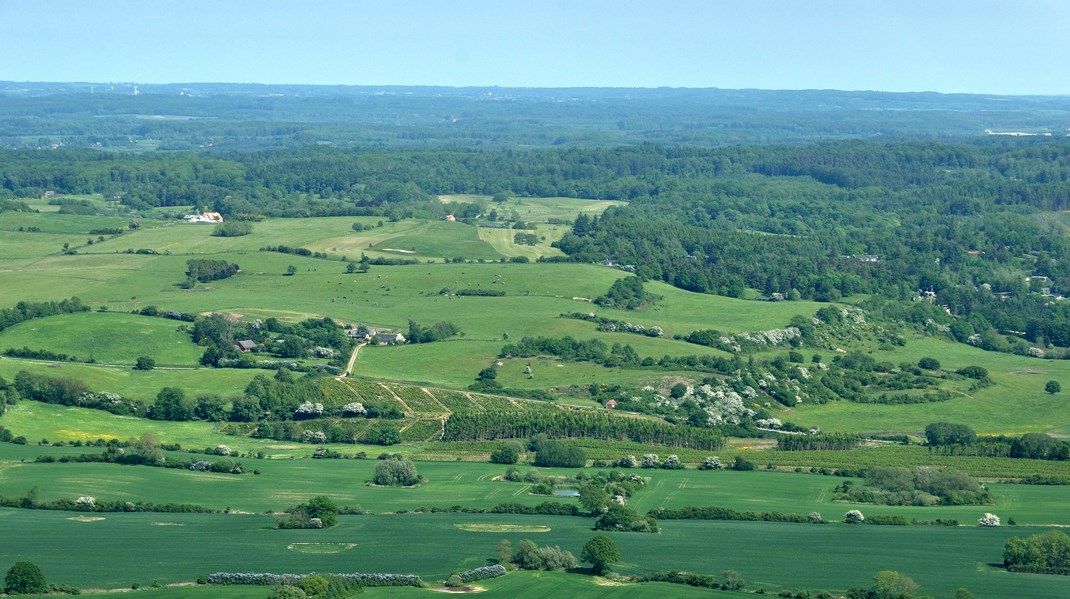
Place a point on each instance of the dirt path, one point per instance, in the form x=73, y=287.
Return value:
x=446, y=411
x=398, y=397
x=352, y=360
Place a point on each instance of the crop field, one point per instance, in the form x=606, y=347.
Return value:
x=938, y=558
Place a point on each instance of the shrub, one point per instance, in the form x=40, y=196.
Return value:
x=988, y=520
x=145, y=363
x=454, y=581
x=742, y=464
x=815, y=517
x=396, y=473
x=929, y=364
x=650, y=460
x=25, y=578
x=628, y=461
x=853, y=517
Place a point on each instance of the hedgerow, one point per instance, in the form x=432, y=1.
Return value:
x=482, y=573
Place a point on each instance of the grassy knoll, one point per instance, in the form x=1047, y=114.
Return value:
x=99, y=552
x=112, y=338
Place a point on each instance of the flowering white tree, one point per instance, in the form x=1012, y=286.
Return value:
x=853, y=517
x=711, y=463
x=988, y=520
x=222, y=450
x=85, y=503
x=354, y=409
x=672, y=462
x=650, y=460
x=814, y=517
x=309, y=409
x=628, y=461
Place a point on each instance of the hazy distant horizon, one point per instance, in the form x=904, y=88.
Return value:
x=902, y=46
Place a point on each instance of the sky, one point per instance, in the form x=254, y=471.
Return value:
x=971, y=46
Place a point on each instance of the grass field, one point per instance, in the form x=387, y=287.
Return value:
x=110, y=338
x=769, y=555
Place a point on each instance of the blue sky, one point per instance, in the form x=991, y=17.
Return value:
x=976, y=46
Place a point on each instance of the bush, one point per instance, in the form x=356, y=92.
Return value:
x=145, y=363
x=25, y=578
x=988, y=520
x=929, y=364
x=396, y=473
x=853, y=517
x=742, y=464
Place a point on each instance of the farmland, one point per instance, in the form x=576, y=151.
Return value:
x=721, y=299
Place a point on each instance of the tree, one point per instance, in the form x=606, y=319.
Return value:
x=962, y=593
x=287, y=591
x=508, y=453
x=1053, y=387
x=889, y=584
x=171, y=404
x=351, y=268
x=291, y=270
x=25, y=578
x=504, y=552
x=593, y=497
x=145, y=363
x=396, y=473
x=600, y=552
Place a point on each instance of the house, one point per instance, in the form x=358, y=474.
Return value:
x=389, y=338
x=205, y=217
x=245, y=345
x=451, y=218
x=608, y=262
x=611, y=404
x=867, y=258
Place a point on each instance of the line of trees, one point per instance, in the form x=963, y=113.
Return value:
x=484, y=426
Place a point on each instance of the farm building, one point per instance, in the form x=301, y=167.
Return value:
x=389, y=338
x=245, y=345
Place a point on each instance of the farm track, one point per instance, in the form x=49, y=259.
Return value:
x=408, y=409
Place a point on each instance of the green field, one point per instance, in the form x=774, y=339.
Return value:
x=99, y=551
x=472, y=484
x=108, y=338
